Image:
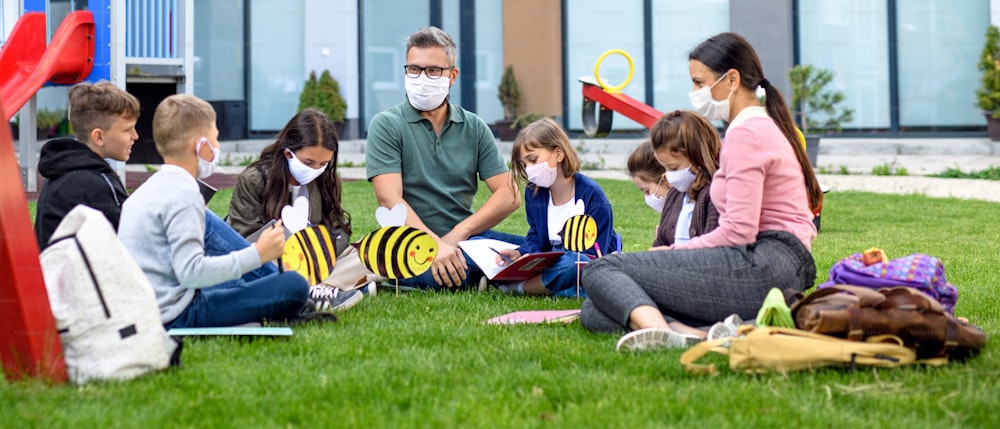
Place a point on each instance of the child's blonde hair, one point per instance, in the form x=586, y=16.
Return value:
x=99, y=105
x=178, y=118
x=548, y=134
x=642, y=163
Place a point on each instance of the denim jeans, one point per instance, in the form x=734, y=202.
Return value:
x=261, y=294
x=563, y=277
x=472, y=275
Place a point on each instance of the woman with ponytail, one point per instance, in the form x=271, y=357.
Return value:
x=763, y=191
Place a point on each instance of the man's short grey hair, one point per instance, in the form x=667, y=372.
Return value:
x=433, y=37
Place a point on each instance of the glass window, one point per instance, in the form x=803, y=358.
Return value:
x=489, y=58
x=277, y=63
x=939, y=45
x=850, y=38
x=387, y=23
x=593, y=27
x=677, y=28
x=218, y=49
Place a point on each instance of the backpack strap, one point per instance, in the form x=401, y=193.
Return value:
x=696, y=351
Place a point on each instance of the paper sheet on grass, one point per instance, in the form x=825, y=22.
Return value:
x=536, y=317
x=269, y=331
x=524, y=268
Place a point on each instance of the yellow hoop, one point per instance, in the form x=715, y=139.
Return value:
x=597, y=68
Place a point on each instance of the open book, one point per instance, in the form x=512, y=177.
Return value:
x=484, y=253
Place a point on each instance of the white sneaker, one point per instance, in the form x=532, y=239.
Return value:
x=727, y=328
x=656, y=338
x=331, y=299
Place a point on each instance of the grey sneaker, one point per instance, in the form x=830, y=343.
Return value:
x=326, y=298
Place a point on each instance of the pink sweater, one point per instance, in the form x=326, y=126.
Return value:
x=759, y=186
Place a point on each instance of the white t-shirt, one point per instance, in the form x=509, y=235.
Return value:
x=683, y=232
x=558, y=215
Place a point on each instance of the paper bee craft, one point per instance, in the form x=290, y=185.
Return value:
x=310, y=251
x=579, y=233
x=396, y=251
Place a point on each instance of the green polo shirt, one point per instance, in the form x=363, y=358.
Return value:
x=439, y=173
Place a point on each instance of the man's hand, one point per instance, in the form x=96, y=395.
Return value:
x=449, y=265
x=271, y=243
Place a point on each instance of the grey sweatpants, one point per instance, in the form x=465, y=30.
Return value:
x=697, y=287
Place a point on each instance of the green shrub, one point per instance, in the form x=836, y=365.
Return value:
x=509, y=94
x=810, y=96
x=323, y=95
x=523, y=120
x=988, y=94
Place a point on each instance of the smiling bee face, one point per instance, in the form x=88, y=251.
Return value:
x=397, y=252
x=421, y=252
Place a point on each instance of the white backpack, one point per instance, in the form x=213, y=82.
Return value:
x=105, y=309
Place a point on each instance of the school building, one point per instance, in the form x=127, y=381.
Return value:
x=907, y=67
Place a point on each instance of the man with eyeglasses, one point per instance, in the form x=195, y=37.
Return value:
x=427, y=154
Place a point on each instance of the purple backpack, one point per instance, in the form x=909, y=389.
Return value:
x=919, y=271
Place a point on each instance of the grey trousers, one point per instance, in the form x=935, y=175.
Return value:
x=697, y=287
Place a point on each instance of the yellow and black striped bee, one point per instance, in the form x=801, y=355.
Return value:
x=396, y=251
x=579, y=233
x=310, y=252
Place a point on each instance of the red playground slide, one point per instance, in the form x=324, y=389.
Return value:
x=599, y=124
x=26, y=64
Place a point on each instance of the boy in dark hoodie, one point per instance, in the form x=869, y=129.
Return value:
x=103, y=117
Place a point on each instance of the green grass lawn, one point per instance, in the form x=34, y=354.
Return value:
x=427, y=360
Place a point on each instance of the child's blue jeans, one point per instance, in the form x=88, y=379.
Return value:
x=261, y=294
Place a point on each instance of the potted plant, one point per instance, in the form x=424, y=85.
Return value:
x=988, y=94
x=323, y=94
x=510, y=99
x=47, y=120
x=810, y=96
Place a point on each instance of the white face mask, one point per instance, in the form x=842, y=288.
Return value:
x=426, y=94
x=301, y=172
x=654, y=201
x=681, y=179
x=709, y=107
x=206, y=168
x=541, y=174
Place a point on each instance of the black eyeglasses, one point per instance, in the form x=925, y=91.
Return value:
x=433, y=72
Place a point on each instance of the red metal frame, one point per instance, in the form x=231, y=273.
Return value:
x=621, y=103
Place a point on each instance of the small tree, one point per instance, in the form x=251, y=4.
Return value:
x=509, y=95
x=810, y=96
x=988, y=94
x=324, y=95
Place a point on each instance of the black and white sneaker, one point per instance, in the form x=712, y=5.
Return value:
x=331, y=299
